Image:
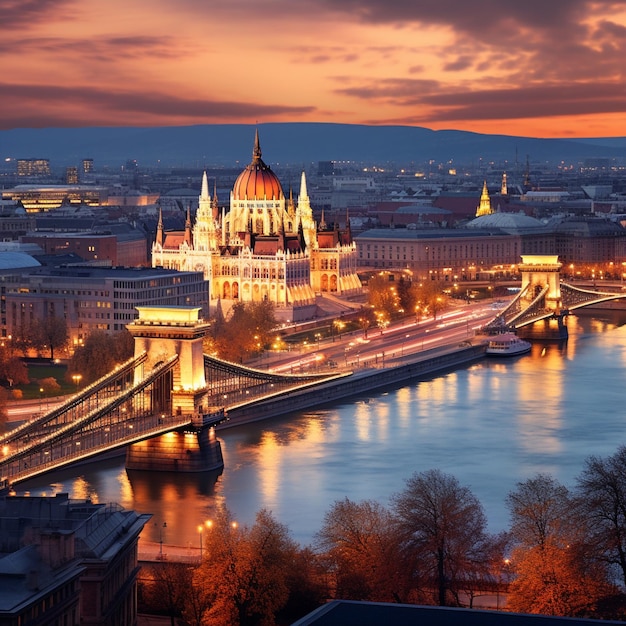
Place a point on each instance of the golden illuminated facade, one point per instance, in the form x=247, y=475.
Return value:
x=265, y=248
x=484, y=208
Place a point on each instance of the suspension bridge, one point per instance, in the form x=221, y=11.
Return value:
x=543, y=296
x=162, y=405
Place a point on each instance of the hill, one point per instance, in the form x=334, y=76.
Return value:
x=292, y=144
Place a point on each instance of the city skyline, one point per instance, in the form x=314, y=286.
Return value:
x=532, y=69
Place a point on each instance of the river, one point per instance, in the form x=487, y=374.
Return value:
x=491, y=425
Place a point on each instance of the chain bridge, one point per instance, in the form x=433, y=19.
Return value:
x=543, y=296
x=161, y=405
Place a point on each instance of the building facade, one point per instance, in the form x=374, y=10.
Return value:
x=68, y=562
x=96, y=298
x=265, y=247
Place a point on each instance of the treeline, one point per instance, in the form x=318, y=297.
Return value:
x=564, y=554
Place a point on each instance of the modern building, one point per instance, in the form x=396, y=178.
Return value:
x=33, y=167
x=96, y=298
x=67, y=562
x=266, y=247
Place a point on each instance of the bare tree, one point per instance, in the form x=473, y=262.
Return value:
x=540, y=508
x=602, y=490
x=50, y=333
x=443, y=525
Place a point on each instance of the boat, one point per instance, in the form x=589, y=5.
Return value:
x=507, y=344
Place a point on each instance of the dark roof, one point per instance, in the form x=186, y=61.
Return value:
x=349, y=613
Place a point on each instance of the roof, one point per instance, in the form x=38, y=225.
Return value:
x=257, y=181
x=349, y=613
x=401, y=234
x=514, y=222
x=16, y=260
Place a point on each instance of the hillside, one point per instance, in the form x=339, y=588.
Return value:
x=291, y=144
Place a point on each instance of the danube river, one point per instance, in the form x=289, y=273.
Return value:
x=491, y=425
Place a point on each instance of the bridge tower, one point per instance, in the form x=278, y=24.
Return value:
x=538, y=272
x=162, y=332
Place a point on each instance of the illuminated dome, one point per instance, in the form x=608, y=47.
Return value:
x=257, y=181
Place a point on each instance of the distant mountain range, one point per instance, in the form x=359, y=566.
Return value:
x=294, y=144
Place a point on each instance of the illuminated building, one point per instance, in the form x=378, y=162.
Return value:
x=265, y=248
x=97, y=298
x=33, y=167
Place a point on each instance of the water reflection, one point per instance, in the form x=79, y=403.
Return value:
x=491, y=424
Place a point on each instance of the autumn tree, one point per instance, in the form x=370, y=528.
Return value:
x=443, y=526
x=246, y=332
x=100, y=353
x=3, y=408
x=363, y=553
x=247, y=570
x=555, y=572
x=382, y=296
x=12, y=369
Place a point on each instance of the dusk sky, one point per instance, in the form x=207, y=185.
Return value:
x=539, y=68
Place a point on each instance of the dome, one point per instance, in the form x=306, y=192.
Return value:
x=257, y=181
x=514, y=222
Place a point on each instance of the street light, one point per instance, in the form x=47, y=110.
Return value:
x=160, y=557
x=201, y=527
x=77, y=378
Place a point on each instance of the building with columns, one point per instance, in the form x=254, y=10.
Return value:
x=266, y=247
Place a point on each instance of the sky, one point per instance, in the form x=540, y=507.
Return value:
x=536, y=68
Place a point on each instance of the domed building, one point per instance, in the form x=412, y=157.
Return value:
x=266, y=247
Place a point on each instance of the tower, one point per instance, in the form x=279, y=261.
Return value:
x=484, y=208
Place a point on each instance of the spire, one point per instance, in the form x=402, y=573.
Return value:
x=159, y=233
x=303, y=191
x=484, y=208
x=188, y=226
x=214, y=204
x=256, y=152
x=348, y=229
x=503, y=187
x=301, y=236
x=322, y=222
x=204, y=193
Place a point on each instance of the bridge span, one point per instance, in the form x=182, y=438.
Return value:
x=161, y=406
x=543, y=296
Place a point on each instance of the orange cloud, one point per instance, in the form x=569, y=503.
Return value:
x=477, y=66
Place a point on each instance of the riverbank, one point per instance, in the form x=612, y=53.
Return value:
x=402, y=370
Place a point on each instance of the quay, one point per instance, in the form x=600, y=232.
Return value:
x=408, y=368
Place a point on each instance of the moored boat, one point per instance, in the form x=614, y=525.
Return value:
x=507, y=344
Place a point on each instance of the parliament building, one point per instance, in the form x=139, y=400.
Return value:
x=266, y=247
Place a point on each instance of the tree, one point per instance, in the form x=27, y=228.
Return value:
x=555, y=572
x=100, y=354
x=361, y=547
x=167, y=589
x=3, y=408
x=51, y=333
x=246, y=332
x=540, y=509
x=443, y=525
x=12, y=368
x=553, y=579
x=247, y=569
x=602, y=492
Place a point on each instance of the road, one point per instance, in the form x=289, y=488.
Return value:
x=376, y=348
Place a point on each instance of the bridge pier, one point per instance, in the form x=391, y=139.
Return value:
x=550, y=328
x=177, y=451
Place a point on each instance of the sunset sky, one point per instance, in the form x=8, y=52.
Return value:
x=539, y=68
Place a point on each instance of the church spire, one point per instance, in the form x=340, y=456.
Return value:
x=348, y=229
x=204, y=193
x=484, y=208
x=504, y=191
x=159, y=233
x=188, y=226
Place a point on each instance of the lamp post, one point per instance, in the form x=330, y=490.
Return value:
x=40, y=399
x=77, y=378
x=201, y=527
x=160, y=557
